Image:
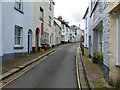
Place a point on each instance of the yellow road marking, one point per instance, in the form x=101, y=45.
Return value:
x=78, y=79
x=27, y=70
x=20, y=74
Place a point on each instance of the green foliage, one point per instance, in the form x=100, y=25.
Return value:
x=98, y=56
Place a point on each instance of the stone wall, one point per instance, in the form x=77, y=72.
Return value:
x=106, y=47
x=100, y=15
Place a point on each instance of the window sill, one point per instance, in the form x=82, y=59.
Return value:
x=18, y=47
x=117, y=65
x=19, y=10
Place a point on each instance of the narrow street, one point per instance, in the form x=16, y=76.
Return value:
x=56, y=71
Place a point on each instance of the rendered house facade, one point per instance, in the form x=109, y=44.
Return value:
x=73, y=33
x=43, y=24
x=86, y=28
x=63, y=33
x=104, y=37
x=16, y=28
x=76, y=32
x=78, y=35
x=71, y=36
x=67, y=31
x=57, y=32
x=99, y=33
x=114, y=42
x=28, y=27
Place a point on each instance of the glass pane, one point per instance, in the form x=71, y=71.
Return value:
x=18, y=32
x=15, y=40
x=18, y=41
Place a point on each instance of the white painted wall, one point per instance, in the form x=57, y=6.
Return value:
x=12, y=17
x=37, y=22
x=57, y=29
x=69, y=34
x=64, y=34
x=78, y=35
x=1, y=28
x=86, y=36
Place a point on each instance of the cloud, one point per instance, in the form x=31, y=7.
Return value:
x=71, y=10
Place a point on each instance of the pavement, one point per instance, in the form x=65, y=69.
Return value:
x=21, y=60
x=93, y=73
x=82, y=78
x=56, y=70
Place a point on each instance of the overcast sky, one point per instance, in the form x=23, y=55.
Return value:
x=71, y=10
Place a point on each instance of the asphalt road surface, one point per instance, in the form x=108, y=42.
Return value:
x=56, y=71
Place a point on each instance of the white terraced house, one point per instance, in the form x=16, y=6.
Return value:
x=43, y=24
x=76, y=32
x=57, y=32
x=16, y=26
x=86, y=28
x=63, y=33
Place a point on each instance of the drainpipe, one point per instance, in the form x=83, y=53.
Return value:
x=1, y=53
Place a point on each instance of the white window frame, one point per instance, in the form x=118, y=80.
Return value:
x=118, y=33
x=19, y=5
x=21, y=36
x=41, y=13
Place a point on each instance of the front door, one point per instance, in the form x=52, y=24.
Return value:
x=37, y=39
x=28, y=42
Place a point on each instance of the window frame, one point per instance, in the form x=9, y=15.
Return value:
x=21, y=36
x=19, y=6
x=49, y=21
x=41, y=14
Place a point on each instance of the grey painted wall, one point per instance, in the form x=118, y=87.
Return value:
x=11, y=56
